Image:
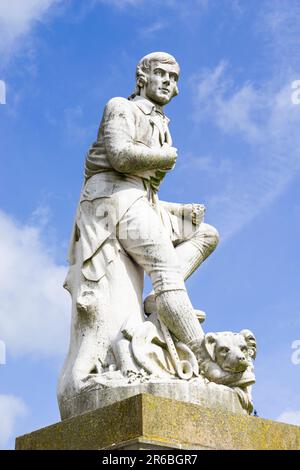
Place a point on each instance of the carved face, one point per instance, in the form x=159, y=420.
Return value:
x=228, y=350
x=161, y=83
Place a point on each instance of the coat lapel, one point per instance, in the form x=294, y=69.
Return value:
x=161, y=123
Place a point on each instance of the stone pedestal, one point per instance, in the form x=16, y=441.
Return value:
x=208, y=395
x=151, y=422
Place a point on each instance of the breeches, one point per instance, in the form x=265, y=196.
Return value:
x=165, y=249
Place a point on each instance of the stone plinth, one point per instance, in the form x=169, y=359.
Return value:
x=208, y=395
x=150, y=422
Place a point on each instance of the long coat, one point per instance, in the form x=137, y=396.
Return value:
x=133, y=127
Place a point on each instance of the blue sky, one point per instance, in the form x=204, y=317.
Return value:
x=237, y=132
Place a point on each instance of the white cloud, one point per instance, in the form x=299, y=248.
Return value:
x=246, y=110
x=17, y=17
x=265, y=118
x=153, y=28
x=11, y=409
x=187, y=7
x=290, y=417
x=258, y=118
x=122, y=3
x=34, y=308
x=279, y=22
x=74, y=128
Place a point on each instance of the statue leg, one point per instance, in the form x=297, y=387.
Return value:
x=145, y=239
x=191, y=252
x=194, y=250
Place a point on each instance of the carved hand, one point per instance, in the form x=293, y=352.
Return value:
x=169, y=157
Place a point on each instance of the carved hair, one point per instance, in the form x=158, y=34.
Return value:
x=143, y=67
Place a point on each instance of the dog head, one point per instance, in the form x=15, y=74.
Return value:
x=231, y=351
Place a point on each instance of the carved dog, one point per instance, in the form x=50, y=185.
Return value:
x=226, y=357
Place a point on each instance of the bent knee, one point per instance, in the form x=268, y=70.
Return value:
x=211, y=235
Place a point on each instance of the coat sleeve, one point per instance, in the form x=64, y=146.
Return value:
x=125, y=154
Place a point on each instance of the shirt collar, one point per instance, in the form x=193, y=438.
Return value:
x=147, y=107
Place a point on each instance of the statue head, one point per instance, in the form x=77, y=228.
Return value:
x=157, y=77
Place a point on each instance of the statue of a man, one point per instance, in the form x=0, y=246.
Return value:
x=119, y=344
x=119, y=208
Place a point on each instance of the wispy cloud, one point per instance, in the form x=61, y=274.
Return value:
x=186, y=7
x=263, y=121
x=75, y=129
x=153, y=28
x=290, y=417
x=278, y=23
x=268, y=122
x=235, y=111
x=11, y=409
x=120, y=3
x=34, y=308
x=17, y=18
x=72, y=124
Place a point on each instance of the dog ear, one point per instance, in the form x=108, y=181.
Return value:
x=210, y=344
x=251, y=342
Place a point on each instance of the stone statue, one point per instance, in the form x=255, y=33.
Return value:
x=121, y=345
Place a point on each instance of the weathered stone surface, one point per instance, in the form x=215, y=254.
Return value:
x=199, y=392
x=121, y=230
x=146, y=421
